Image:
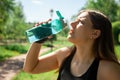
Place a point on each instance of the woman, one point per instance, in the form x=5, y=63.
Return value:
x=91, y=58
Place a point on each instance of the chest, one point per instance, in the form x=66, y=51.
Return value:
x=71, y=72
x=79, y=69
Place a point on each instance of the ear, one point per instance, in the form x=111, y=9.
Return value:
x=96, y=33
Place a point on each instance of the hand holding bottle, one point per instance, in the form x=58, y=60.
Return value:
x=46, y=29
x=40, y=23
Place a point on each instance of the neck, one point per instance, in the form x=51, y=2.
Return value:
x=84, y=53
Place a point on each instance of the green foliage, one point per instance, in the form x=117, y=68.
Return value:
x=117, y=50
x=108, y=7
x=4, y=53
x=16, y=25
x=7, y=51
x=116, y=31
x=13, y=25
x=6, y=6
x=16, y=47
x=44, y=76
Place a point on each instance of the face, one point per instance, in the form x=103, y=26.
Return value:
x=81, y=29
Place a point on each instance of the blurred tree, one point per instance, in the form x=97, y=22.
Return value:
x=108, y=7
x=19, y=26
x=13, y=26
x=111, y=8
x=116, y=32
x=6, y=9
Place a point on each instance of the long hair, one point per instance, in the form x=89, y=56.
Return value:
x=103, y=46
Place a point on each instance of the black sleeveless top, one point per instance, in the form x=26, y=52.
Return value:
x=65, y=73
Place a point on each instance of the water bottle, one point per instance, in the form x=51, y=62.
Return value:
x=44, y=30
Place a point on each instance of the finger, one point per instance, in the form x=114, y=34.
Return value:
x=47, y=21
x=35, y=25
x=49, y=37
x=39, y=23
x=44, y=21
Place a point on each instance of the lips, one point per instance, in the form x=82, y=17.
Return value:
x=71, y=31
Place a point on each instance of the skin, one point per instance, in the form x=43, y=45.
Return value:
x=82, y=35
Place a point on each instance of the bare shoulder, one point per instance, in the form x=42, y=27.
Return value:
x=109, y=70
x=62, y=53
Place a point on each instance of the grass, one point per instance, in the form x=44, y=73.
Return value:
x=43, y=76
x=7, y=51
x=4, y=53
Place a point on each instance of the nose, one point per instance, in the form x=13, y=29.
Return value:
x=73, y=24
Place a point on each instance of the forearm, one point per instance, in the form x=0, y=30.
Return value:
x=32, y=57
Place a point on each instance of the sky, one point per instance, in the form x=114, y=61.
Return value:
x=39, y=10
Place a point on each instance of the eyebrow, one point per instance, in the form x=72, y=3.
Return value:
x=81, y=18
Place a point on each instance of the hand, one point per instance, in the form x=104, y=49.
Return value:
x=39, y=23
x=45, y=39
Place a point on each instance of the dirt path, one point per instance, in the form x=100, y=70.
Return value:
x=10, y=67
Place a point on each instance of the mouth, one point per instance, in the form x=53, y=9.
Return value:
x=71, y=31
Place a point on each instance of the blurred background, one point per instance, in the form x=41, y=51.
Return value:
x=16, y=16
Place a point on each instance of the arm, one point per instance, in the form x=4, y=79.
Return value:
x=109, y=70
x=51, y=61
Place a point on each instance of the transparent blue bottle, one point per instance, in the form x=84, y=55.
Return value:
x=42, y=31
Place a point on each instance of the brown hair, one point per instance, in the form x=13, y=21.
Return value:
x=103, y=45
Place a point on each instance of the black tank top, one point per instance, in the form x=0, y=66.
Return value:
x=65, y=73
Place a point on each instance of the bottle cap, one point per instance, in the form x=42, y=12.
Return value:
x=59, y=15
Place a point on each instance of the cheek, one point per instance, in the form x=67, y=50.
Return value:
x=83, y=33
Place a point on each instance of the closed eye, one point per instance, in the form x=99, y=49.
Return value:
x=82, y=20
x=78, y=21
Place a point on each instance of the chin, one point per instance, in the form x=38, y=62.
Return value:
x=70, y=38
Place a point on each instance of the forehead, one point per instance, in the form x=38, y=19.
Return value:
x=84, y=15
